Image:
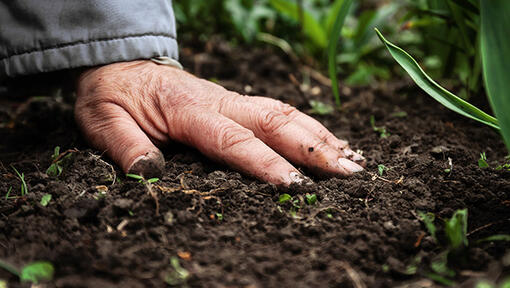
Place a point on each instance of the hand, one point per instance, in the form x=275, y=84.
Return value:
x=127, y=108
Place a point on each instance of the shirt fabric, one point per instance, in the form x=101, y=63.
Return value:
x=50, y=35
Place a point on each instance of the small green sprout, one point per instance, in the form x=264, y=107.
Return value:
x=284, y=198
x=482, y=162
x=381, y=130
x=450, y=166
x=8, y=193
x=37, y=271
x=45, y=200
x=399, y=114
x=21, y=177
x=141, y=179
x=311, y=199
x=456, y=229
x=33, y=272
x=219, y=216
x=320, y=108
x=178, y=275
x=131, y=213
x=505, y=166
x=57, y=165
x=428, y=220
x=381, y=168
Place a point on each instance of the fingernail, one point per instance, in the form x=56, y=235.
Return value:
x=149, y=165
x=299, y=178
x=348, y=152
x=349, y=165
x=358, y=158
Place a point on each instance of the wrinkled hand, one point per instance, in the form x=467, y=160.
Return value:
x=127, y=108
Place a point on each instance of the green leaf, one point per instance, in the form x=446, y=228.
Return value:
x=311, y=199
x=320, y=108
x=332, y=48
x=219, y=216
x=45, y=200
x=153, y=180
x=178, y=275
x=456, y=229
x=428, y=220
x=482, y=162
x=495, y=47
x=505, y=283
x=311, y=27
x=380, y=169
x=37, y=271
x=440, y=279
x=498, y=237
x=134, y=176
x=284, y=198
x=437, y=92
x=484, y=284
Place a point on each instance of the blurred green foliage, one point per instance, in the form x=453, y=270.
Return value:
x=444, y=33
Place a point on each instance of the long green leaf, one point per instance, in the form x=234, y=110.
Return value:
x=437, y=92
x=495, y=46
x=311, y=27
x=333, y=43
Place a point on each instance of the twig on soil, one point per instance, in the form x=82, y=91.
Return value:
x=317, y=76
x=98, y=158
x=418, y=241
x=63, y=154
x=398, y=181
x=325, y=209
x=353, y=274
x=485, y=226
x=154, y=196
x=368, y=195
x=189, y=191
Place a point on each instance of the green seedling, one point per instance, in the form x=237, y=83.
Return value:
x=56, y=167
x=399, y=114
x=381, y=130
x=455, y=231
x=482, y=162
x=428, y=220
x=505, y=166
x=219, y=216
x=178, y=275
x=311, y=199
x=34, y=272
x=450, y=166
x=21, y=177
x=320, y=108
x=141, y=179
x=284, y=198
x=8, y=193
x=45, y=200
x=381, y=168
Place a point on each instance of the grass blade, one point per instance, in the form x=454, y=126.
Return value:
x=495, y=47
x=332, y=47
x=311, y=27
x=443, y=96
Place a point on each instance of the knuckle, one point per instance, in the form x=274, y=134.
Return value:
x=285, y=108
x=231, y=136
x=171, y=97
x=270, y=161
x=270, y=122
x=320, y=145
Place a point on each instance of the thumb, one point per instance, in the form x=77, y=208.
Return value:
x=111, y=129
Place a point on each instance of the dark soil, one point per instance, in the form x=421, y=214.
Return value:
x=101, y=229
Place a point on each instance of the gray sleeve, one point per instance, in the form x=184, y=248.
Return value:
x=49, y=35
